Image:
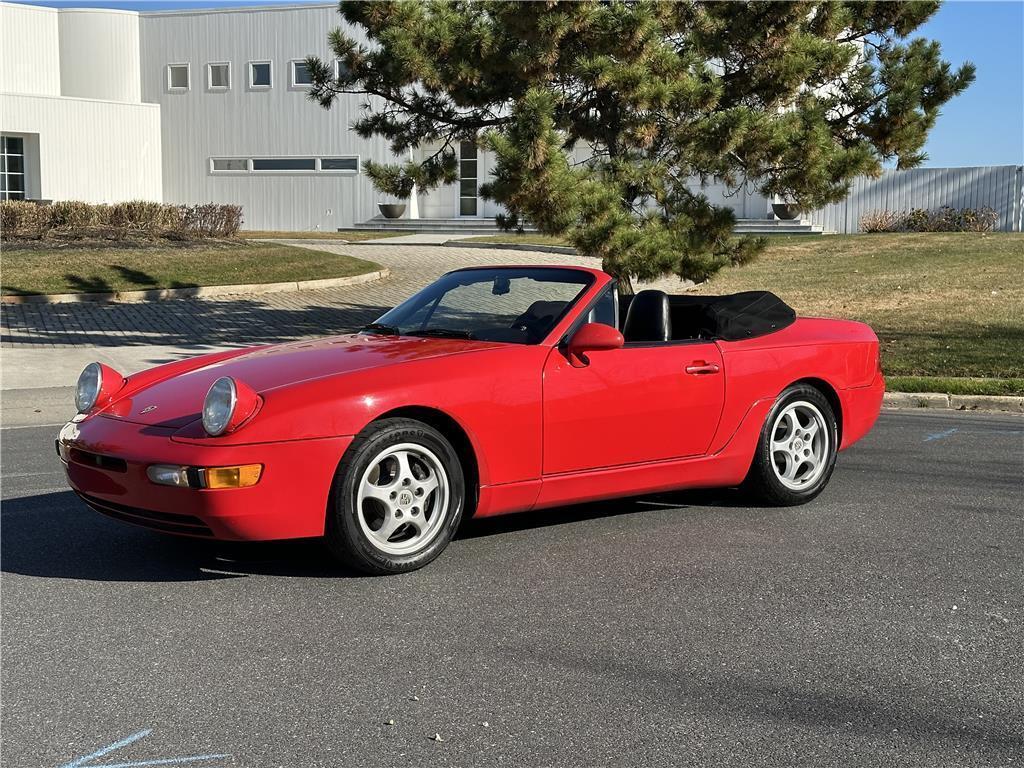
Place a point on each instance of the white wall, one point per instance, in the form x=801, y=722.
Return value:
x=1000, y=187
x=29, y=49
x=99, y=54
x=199, y=124
x=96, y=151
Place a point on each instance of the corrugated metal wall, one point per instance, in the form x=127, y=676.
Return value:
x=96, y=151
x=99, y=54
x=29, y=50
x=242, y=122
x=998, y=187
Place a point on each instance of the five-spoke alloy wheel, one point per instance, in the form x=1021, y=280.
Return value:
x=397, y=498
x=796, y=452
x=800, y=444
x=403, y=498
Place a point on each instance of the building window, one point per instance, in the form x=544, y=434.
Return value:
x=12, y=168
x=346, y=165
x=177, y=77
x=340, y=68
x=218, y=76
x=349, y=164
x=467, y=178
x=229, y=164
x=261, y=74
x=284, y=164
x=301, y=76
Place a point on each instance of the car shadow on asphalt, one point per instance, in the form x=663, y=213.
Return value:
x=54, y=535
x=576, y=513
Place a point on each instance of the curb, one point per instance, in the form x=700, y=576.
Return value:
x=939, y=401
x=198, y=292
x=565, y=250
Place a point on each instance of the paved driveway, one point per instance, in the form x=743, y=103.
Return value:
x=880, y=625
x=258, y=319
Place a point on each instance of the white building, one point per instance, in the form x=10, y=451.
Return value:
x=211, y=105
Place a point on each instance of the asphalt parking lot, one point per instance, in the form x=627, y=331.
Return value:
x=880, y=625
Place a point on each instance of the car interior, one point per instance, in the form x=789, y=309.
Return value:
x=656, y=317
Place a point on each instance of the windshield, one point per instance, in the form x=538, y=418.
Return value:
x=519, y=306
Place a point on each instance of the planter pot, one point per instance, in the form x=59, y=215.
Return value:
x=785, y=211
x=391, y=210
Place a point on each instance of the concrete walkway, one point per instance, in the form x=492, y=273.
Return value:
x=46, y=345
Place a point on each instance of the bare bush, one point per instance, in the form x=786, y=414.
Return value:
x=138, y=219
x=945, y=219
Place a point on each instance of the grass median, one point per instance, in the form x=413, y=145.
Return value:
x=947, y=307
x=48, y=268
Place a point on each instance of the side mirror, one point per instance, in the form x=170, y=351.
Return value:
x=592, y=337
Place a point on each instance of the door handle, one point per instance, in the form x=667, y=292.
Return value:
x=699, y=367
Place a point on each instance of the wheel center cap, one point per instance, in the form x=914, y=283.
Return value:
x=798, y=444
x=404, y=499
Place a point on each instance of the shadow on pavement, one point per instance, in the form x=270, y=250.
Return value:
x=210, y=321
x=884, y=710
x=542, y=518
x=55, y=535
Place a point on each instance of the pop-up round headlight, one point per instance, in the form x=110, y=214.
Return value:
x=97, y=384
x=88, y=388
x=219, y=406
x=228, y=404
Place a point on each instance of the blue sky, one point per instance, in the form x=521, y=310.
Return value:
x=984, y=126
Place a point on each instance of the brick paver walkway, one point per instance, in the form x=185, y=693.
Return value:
x=257, y=319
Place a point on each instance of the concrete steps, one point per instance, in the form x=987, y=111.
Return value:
x=433, y=226
x=777, y=227
x=488, y=227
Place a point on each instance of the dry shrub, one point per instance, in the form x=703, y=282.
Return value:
x=945, y=219
x=20, y=220
x=135, y=219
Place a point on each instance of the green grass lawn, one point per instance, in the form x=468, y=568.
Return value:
x=944, y=305
x=73, y=268
x=353, y=236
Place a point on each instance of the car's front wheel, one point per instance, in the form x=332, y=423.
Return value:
x=397, y=498
x=796, y=451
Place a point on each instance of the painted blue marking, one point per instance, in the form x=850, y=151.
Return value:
x=940, y=435
x=107, y=749
x=86, y=762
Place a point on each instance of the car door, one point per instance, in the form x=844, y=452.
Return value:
x=641, y=403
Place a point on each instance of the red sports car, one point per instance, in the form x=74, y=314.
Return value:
x=493, y=390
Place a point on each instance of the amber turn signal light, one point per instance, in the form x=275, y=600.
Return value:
x=232, y=477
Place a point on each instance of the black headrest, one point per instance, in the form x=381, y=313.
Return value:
x=648, y=318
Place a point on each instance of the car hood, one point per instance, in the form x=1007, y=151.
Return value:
x=178, y=400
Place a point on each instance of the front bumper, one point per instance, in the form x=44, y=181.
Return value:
x=106, y=459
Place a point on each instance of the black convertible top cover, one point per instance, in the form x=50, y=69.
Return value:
x=745, y=315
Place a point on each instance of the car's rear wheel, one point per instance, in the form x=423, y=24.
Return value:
x=397, y=498
x=796, y=451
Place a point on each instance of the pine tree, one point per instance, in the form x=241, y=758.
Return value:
x=795, y=99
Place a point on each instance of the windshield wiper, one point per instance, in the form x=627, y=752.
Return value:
x=381, y=328
x=443, y=333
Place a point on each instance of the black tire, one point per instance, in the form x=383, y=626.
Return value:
x=763, y=481
x=344, y=534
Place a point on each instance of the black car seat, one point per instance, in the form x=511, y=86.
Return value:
x=648, y=318
x=538, y=318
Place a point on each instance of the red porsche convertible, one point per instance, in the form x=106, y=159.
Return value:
x=493, y=390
